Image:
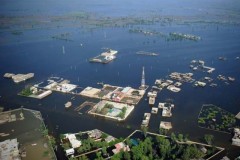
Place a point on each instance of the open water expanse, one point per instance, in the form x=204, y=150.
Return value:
x=216, y=22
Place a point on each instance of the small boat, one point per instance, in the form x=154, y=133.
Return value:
x=231, y=79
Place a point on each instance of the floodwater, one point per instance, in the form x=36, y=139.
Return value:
x=216, y=22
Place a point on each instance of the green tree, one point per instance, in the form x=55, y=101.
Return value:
x=180, y=137
x=192, y=152
x=165, y=148
x=144, y=131
x=104, y=150
x=62, y=136
x=99, y=156
x=137, y=152
x=147, y=146
x=81, y=149
x=45, y=132
x=84, y=157
x=52, y=142
x=173, y=136
x=26, y=92
x=128, y=142
x=72, y=158
x=162, y=131
x=186, y=137
x=126, y=156
x=104, y=135
x=117, y=156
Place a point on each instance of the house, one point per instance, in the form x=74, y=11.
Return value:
x=73, y=140
x=109, y=139
x=95, y=134
x=120, y=146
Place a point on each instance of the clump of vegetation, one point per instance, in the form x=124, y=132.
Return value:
x=213, y=117
x=89, y=144
x=106, y=108
x=158, y=147
x=163, y=131
x=122, y=113
x=51, y=139
x=109, y=106
x=26, y=92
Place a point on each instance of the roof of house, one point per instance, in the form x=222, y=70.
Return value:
x=73, y=140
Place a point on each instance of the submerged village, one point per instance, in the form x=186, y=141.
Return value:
x=89, y=81
x=116, y=103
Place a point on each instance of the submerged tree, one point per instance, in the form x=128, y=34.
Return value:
x=208, y=138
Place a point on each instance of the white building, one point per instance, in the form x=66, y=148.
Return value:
x=236, y=137
x=73, y=140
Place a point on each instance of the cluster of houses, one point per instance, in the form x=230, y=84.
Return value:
x=75, y=142
x=167, y=112
x=114, y=93
x=174, y=87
